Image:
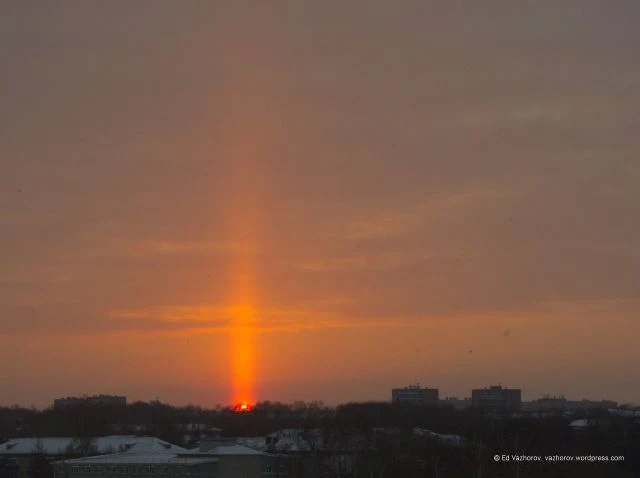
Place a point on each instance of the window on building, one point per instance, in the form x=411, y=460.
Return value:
x=86, y=469
x=75, y=469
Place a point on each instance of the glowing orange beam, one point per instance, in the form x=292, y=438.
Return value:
x=244, y=354
x=247, y=140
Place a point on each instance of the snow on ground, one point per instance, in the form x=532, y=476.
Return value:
x=455, y=441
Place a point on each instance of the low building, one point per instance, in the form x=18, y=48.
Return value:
x=546, y=406
x=140, y=465
x=237, y=460
x=226, y=461
x=29, y=453
x=496, y=400
x=456, y=403
x=416, y=395
x=587, y=405
x=556, y=406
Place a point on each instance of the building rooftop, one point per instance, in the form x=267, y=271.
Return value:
x=144, y=458
x=455, y=441
x=184, y=458
x=101, y=445
x=235, y=450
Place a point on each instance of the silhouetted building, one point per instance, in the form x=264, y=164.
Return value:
x=238, y=460
x=112, y=400
x=415, y=394
x=546, y=406
x=497, y=400
x=585, y=404
x=456, y=403
x=223, y=461
x=30, y=453
x=549, y=406
x=126, y=465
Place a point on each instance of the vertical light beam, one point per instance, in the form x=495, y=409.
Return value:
x=247, y=140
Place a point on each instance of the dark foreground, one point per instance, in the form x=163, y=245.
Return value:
x=372, y=440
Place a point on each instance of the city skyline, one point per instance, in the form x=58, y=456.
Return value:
x=213, y=202
x=124, y=399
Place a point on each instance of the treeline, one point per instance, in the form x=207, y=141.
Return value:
x=169, y=422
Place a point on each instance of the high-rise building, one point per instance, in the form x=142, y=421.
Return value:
x=497, y=400
x=415, y=394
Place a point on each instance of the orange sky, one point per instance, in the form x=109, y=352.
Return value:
x=318, y=201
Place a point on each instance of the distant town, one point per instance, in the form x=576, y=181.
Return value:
x=498, y=400
x=415, y=434
x=494, y=399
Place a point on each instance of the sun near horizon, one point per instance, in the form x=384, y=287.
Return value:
x=244, y=355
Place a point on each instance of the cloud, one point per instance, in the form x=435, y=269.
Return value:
x=417, y=213
x=154, y=248
x=331, y=264
x=564, y=113
x=225, y=319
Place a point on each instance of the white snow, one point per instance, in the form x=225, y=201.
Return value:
x=234, y=450
x=448, y=440
x=102, y=445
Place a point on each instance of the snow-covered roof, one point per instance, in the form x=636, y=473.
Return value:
x=305, y=440
x=296, y=432
x=143, y=459
x=278, y=444
x=582, y=423
x=136, y=444
x=448, y=440
x=29, y=446
x=624, y=413
x=199, y=427
x=102, y=445
x=235, y=450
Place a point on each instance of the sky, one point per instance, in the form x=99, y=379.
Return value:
x=318, y=200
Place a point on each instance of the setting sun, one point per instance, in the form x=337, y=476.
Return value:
x=242, y=407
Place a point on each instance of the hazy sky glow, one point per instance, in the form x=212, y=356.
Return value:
x=207, y=201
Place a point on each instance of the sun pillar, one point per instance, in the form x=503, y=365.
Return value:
x=248, y=141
